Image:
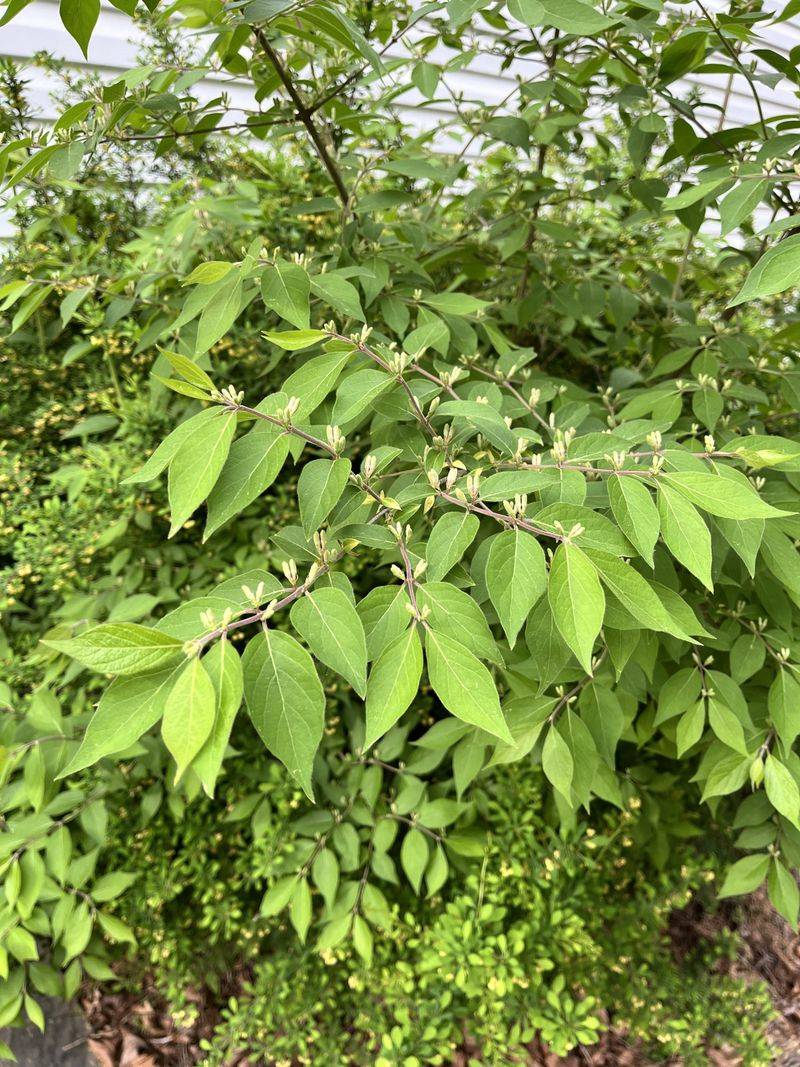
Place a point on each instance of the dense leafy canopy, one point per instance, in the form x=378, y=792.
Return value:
x=525, y=385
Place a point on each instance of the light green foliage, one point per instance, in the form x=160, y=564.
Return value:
x=433, y=546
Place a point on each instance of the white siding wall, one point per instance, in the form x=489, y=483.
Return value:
x=113, y=48
x=38, y=28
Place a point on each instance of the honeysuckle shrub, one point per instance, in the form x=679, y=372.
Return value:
x=530, y=418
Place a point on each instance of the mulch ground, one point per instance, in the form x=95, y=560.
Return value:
x=128, y=1031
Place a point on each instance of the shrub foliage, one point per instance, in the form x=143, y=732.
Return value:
x=491, y=446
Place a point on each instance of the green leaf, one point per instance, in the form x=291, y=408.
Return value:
x=602, y=712
x=635, y=593
x=783, y=891
x=516, y=577
x=110, y=886
x=740, y=203
x=727, y=775
x=449, y=539
x=464, y=686
x=208, y=273
x=677, y=694
x=783, y=703
x=329, y=624
x=576, y=600
x=726, y=726
x=745, y=875
x=707, y=407
x=120, y=648
x=294, y=340
x=196, y=466
x=425, y=76
x=162, y=456
x=300, y=909
x=285, y=701
x=437, y=870
x=225, y=671
x=80, y=18
x=219, y=314
x=384, y=616
x=357, y=393
x=127, y=709
x=690, y=727
x=277, y=897
x=286, y=289
x=393, y=683
x=777, y=270
x=414, y=854
x=253, y=464
x=767, y=451
x=744, y=538
x=436, y=814
x=507, y=484
x=570, y=16
x=485, y=420
x=189, y=370
x=685, y=533
x=339, y=294
x=726, y=497
x=188, y=715
x=312, y=382
x=636, y=513
x=59, y=853
x=321, y=483
x=325, y=873
x=452, y=611
x=781, y=789
x=691, y=194
x=557, y=762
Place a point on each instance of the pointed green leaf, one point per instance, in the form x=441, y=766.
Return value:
x=576, y=600
x=329, y=624
x=516, y=577
x=393, y=683
x=635, y=593
x=285, y=701
x=120, y=648
x=777, y=270
x=294, y=340
x=188, y=715
x=253, y=464
x=414, y=854
x=727, y=497
x=636, y=513
x=162, y=456
x=781, y=789
x=452, y=611
x=557, y=762
x=321, y=483
x=384, y=616
x=449, y=539
x=196, y=466
x=220, y=313
x=127, y=709
x=80, y=18
x=690, y=727
x=225, y=671
x=464, y=685
x=286, y=289
x=745, y=875
x=338, y=293
x=685, y=533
